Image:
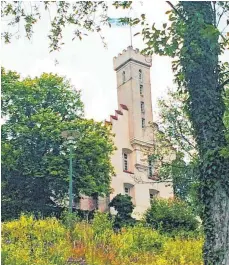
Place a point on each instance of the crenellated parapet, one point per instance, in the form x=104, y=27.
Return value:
x=131, y=54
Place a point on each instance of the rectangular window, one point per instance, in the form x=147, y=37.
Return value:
x=143, y=123
x=142, y=107
x=125, y=161
x=127, y=191
x=153, y=194
x=150, y=165
x=141, y=90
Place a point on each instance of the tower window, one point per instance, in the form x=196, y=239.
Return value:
x=143, y=123
x=142, y=107
x=125, y=161
x=123, y=77
x=140, y=74
x=141, y=89
x=150, y=166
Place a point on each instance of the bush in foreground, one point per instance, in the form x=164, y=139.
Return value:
x=171, y=216
x=124, y=207
x=47, y=242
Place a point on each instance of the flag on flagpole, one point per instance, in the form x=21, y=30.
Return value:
x=119, y=22
x=122, y=22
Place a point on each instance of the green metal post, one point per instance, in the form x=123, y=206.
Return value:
x=70, y=181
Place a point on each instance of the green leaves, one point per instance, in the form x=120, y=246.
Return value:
x=171, y=216
x=35, y=156
x=79, y=14
x=124, y=206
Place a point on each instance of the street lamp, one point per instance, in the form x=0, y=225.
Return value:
x=70, y=136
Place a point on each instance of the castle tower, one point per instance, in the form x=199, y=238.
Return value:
x=132, y=127
x=134, y=90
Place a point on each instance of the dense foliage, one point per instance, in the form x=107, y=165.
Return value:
x=193, y=38
x=82, y=16
x=171, y=216
x=176, y=129
x=35, y=155
x=124, y=206
x=48, y=242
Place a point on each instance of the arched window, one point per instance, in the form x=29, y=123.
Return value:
x=140, y=74
x=123, y=77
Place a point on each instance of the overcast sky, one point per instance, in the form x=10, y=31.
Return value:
x=87, y=63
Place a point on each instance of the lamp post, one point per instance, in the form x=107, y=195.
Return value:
x=70, y=136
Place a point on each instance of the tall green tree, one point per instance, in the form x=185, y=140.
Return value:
x=193, y=39
x=35, y=155
x=225, y=151
x=176, y=130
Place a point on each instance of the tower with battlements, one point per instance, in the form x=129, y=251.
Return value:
x=132, y=126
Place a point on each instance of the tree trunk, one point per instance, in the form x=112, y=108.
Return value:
x=216, y=224
x=199, y=60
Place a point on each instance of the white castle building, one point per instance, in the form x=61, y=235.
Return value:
x=134, y=137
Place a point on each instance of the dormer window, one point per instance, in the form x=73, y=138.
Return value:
x=125, y=161
x=123, y=77
x=140, y=74
x=142, y=107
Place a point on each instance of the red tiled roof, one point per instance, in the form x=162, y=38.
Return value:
x=113, y=117
x=107, y=122
x=126, y=171
x=119, y=112
x=123, y=106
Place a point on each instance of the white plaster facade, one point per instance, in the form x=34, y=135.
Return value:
x=132, y=137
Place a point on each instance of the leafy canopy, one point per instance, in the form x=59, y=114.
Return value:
x=171, y=216
x=35, y=155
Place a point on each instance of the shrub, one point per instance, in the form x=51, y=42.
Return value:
x=47, y=242
x=171, y=216
x=180, y=252
x=28, y=241
x=102, y=227
x=135, y=239
x=124, y=206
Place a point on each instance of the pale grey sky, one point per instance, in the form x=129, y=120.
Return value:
x=87, y=63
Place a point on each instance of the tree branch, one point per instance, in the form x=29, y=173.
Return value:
x=224, y=73
x=220, y=16
x=182, y=135
x=223, y=84
x=214, y=12
x=176, y=11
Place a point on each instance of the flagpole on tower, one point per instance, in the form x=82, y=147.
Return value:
x=131, y=40
x=131, y=44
